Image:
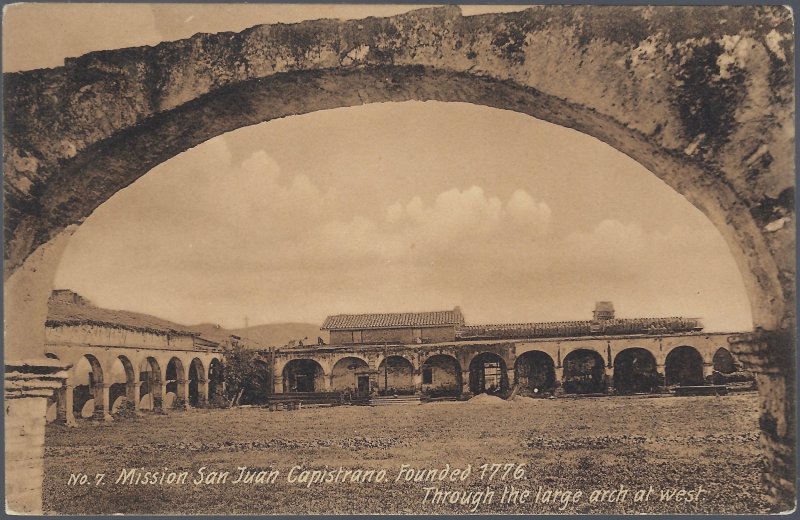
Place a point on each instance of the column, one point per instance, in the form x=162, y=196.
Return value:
x=160, y=404
x=770, y=355
x=65, y=403
x=662, y=372
x=708, y=372
x=417, y=381
x=202, y=389
x=28, y=385
x=510, y=377
x=102, y=407
x=465, y=382
x=559, y=372
x=278, y=384
x=326, y=382
x=182, y=399
x=609, y=379
x=132, y=391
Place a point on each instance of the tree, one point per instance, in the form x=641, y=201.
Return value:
x=247, y=377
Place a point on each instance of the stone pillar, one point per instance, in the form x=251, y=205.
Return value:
x=202, y=389
x=510, y=377
x=182, y=394
x=770, y=355
x=327, y=382
x=28, y=385
x=160, y=404
x=278, y=384
x=132, y=391
x=661, y=370
x=64, y=413
x=102, y=406
x=417, y=381
x=708, y=372
x=609, y=378
x=465, y=382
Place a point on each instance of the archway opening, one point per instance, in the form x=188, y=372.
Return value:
x=121, y=379
x=150, y=391
x=584, y=372
x=724, y=362
x=684, y=367
x=487, y=374
x=303, y=375
x=351, y=375
x=87, y=394
x=441, y=376
x=197, y=388
x=636, y=372
x=216, y=378
x=175, y=387
x=395, y=376
x=535, y=373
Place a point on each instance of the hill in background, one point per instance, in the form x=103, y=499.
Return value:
x=264, y=336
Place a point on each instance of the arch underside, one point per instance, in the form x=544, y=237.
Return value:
x=94, y=175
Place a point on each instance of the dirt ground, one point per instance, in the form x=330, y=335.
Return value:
x=590, y=445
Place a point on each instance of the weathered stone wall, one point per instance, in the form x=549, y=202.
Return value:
x=445, y=372
x=396, y=373
x=94, y=335
x=343, y=375
x=387, y=336
x=709, y=89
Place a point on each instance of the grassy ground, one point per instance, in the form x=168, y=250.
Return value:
x=566, y=445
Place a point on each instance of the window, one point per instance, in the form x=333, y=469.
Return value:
x=427, y=376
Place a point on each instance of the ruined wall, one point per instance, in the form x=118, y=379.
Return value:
x=343, y=375
x=94, y=335
x=445, y=374
x=396, y=373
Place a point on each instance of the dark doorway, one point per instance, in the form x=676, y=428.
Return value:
x=635, y=372
x=487, y=374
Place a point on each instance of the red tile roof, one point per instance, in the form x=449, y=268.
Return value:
x=394, y=320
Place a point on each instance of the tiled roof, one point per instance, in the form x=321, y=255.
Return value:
x=394, y=320
x=61, y=312
x=580, y=328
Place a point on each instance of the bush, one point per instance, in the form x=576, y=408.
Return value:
x=443, y=391
x=126, y=410
x=218, y=401
x=396, y=391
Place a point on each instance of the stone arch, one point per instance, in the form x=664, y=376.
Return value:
x=441, y=376
x=121, y=380
x=636, y=371
x=584, y=372
x=303, y=375
x=396, y=376
x=684, y=366
x=350, y=374
x=216, y=378
x=732, y=158
x=723, y=361
x=487, y=374
x=87, y=382
x=197, y=387
x=150, y=390
x=175, y=379
x=535, y=373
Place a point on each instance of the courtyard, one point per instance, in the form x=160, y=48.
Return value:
x=565, y=445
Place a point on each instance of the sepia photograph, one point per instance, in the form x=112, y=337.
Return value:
x=361, y=259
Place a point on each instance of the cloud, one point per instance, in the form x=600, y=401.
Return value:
x=219, y=237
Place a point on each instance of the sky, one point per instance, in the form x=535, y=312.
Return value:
x=383, y=208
